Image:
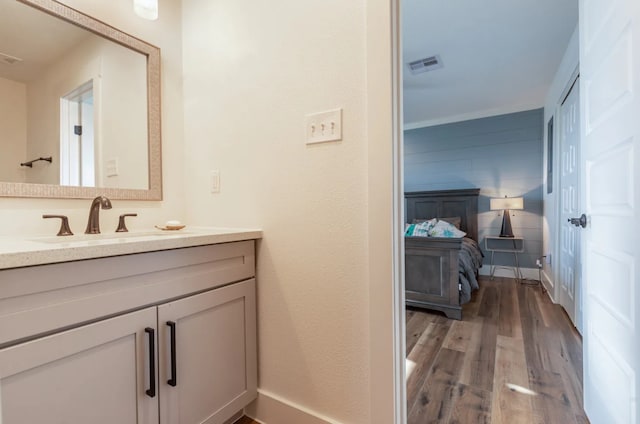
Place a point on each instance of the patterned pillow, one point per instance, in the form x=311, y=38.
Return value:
x=445, y=229
x=421, y=229
x=455, y=220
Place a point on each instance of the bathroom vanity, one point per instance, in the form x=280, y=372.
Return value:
x=135, y=328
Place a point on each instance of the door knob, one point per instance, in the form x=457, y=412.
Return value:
x=579, y=222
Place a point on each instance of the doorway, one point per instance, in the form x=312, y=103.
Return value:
x=77, y=141
x=609, y=184
x=429, y=84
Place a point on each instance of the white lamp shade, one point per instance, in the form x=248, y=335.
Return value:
x=512, y=203
x=147, y=9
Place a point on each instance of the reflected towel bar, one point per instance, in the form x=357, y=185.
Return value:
x=30, y=163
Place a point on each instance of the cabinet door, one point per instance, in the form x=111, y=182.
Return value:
x=97, y=374
x=215, y=355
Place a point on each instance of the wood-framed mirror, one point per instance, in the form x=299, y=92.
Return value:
x=82, y=95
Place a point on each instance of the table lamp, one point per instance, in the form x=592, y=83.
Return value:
x=506, y=204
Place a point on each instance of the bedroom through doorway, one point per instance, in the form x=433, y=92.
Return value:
x=482, y=302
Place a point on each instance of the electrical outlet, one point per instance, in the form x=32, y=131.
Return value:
x=324, y=126
x=112, y=168
x=215, y=181
x=548, y=258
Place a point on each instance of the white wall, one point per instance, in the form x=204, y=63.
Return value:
x=550, y=230
x=25, y=214
x=252, y=71
x=13, y=122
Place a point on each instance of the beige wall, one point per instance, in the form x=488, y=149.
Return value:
x=123, y=72
x=25, y=214
x=73, y=69
x=252, y=72
x=13, y=122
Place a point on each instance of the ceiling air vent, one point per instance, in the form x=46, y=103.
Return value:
x=8, y=59
x=426, y=64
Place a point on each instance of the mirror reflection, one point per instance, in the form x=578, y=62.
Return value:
x=72, y=96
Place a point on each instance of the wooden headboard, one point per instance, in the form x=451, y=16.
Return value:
x=445, y=204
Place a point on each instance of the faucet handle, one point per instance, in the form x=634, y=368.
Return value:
x=64, y=224
x=122, y=226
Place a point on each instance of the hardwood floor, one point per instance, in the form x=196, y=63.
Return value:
x=514, y=358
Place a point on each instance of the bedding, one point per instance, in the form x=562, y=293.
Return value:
x=445, y=229
x=469, y=261
x=455, y=221
x=434, y=228
x=420, y=229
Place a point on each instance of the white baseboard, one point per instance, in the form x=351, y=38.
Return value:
x=549, y=286
x=269, y=408
x=509, y=272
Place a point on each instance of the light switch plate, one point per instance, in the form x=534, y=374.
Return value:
x=324, y=126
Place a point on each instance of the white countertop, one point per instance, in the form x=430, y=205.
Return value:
x=18, y=252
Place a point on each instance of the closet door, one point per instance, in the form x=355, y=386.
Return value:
x=208, y=355
x=570, y=277
x=97, y=374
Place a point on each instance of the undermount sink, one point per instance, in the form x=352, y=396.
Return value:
x=87, y=238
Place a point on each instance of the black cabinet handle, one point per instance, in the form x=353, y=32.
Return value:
x=173, y=381
x=151, y=392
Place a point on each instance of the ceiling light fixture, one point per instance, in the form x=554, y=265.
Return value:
x=146, y=9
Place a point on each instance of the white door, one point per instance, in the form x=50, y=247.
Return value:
x=610, y=78
x=569, y=204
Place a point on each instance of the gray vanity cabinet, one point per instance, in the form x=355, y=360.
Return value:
x=184, y=353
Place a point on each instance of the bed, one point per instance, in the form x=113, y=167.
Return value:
x=434, y=274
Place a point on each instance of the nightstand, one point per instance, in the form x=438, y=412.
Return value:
x=513, y=245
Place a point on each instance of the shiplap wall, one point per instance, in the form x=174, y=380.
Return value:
x=500, y=155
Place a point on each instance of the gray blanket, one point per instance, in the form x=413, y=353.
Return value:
x=469, y=261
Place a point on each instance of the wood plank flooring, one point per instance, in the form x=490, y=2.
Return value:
x=246, y=420
x=514, y=358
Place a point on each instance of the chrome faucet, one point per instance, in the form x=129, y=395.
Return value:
x=93, y=226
